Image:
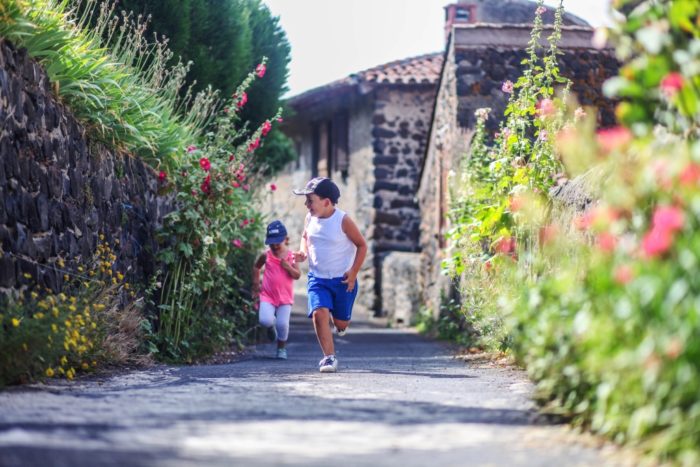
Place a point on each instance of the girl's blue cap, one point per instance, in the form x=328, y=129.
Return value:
x=276, y=233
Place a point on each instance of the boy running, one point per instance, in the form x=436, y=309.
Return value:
x=336, y=250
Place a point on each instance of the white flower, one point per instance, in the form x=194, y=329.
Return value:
x=208, y=240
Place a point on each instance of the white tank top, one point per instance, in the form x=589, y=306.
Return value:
x=331, y=253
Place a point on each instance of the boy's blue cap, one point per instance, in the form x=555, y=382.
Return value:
x=276, y=233
x=321, y=186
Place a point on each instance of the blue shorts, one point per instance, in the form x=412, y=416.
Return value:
x=331, y=294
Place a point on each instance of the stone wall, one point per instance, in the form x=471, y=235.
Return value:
x=400, y=296
x=59, y=192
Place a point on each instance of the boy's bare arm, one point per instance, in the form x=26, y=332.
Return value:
x=303, y=252
x=353, y=233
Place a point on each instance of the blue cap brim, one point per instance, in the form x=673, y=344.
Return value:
x=275, y=240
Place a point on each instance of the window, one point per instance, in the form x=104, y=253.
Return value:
x=330, y=152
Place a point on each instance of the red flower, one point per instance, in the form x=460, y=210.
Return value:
x=273, y=187
x=623, y=274
x=244, y=223
x=243, y=100
x=671, y=84
x=230, y=158
x=488, y=265
x=206, y=185
x=205, y=164
x=237, y=243
x=656, y=242
x=266, y=127
x=606, y=242
x=254, y=145
x=611, y=139
x=191, y=148
x=235, y=184
x=505, y=245
x=260, y=70
x=668, y=218
x=162, y=176
x=226, y=110
x=251, y=220
x=545, y=107
x=548, y=233
x=279, y=120
x=690, y=175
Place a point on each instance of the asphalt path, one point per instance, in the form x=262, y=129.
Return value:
x=398, y=399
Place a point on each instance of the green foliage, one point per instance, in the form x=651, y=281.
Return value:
x=211, y=238
x=126, y=95
x=43, y=334
x=602, y=306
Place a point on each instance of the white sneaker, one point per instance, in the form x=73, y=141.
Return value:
x=341, y=332
x=328, y=364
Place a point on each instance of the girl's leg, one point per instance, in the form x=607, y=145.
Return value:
x=283, y=314
x=266, y=314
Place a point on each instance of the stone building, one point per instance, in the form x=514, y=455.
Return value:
x=389, y=136
x=367, y=132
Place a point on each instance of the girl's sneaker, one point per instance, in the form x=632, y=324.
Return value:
x=282, y=353
x=329, y=364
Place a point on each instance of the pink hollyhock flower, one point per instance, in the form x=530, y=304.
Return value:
x=614, y=138
x=191, y=148
x=543, y=135
x=516, y=203
x=548, y=233
x=243, y=100
x=545, y=107
x=162, y=176
x=690, y=175
x=507, y=87
x=244, y=223
x=260, y=70
x=579, y=113
x=205, y=164
x=237, y=243
x=623, y=274
x=606, y=242
x=273, y=187
x=266, y=127
x=279, y=120
x=656, y=242
x=246, y=187
x=668, y=218
x=540, y=10
x=671, y=84
x=235, y=184
x=254, y=145
x=506, y=245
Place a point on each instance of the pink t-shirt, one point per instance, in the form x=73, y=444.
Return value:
x=277, y=285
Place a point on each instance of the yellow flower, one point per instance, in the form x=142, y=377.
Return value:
x=61, y=370
x=94, y=326
x=15, y=322
x=68, y=323
x=27, y=275
x=70, y=373
x=114, y=281
x=60, y=263
x=54, y=328
x=80, y=268
x=51, y=299
x=54, y=311
x=49, y=372
x=24, y=346
x=99, y=307
x=85, y=366
x=126, y=286
x=94, y=363
x=120, y=276
x=39, y=315
x=62, y=296
x=34, y=295
x=64, y=360
x=73, y=300
x=102, y=237
x=65, y=277
x=43, y=305
x=72, y=307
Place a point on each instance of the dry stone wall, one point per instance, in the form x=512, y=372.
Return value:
x=59, y=192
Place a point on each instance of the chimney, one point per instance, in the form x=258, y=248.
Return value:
x=459, y=13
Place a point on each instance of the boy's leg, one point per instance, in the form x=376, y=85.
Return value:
x=321, y=317
x=343, y=302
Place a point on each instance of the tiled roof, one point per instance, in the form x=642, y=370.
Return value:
x=424, y=69
x=420, y=70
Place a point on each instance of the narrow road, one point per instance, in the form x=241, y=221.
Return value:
x=398, y=399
